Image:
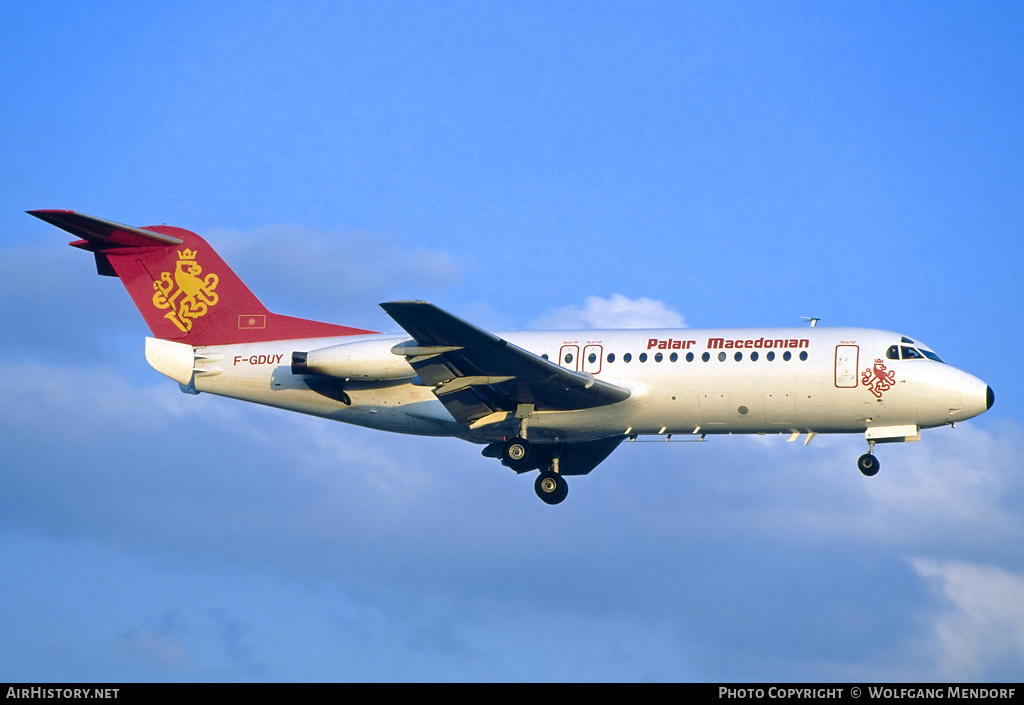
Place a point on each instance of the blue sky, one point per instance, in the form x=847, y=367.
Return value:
x=521, y=164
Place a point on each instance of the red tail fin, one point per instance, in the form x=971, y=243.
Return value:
x=182, y=287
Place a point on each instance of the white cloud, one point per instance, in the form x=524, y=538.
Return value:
x=955, y=489
x=337, y=275
x=618, y=311
x=981, y=631
x=150, y=647
x=959, y=483
x=220, y=484
x=58, y=306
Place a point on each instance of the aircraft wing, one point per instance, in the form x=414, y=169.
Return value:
x=475, y=373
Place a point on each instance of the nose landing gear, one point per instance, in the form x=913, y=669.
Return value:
x=868, y=464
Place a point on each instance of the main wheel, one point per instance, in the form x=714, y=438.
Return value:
x=518, y=454
x=868, y=464
x=550, y=487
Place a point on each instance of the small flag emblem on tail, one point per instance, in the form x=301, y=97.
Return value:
x=252, y=322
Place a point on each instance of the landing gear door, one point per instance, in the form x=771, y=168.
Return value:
x=846, y=366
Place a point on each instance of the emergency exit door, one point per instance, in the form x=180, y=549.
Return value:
x=569, y=357
x=592, y=359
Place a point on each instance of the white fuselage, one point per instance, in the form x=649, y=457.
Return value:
x=685, y=381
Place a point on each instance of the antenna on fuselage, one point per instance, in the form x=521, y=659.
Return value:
x=812, y=321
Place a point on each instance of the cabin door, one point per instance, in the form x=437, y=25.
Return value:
x=846, y=365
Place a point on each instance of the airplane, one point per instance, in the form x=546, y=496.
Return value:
x=558, y=402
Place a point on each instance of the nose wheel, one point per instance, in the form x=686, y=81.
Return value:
x=551, y=487
x=868, y=464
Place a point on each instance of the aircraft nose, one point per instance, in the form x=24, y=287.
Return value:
x=974, y=397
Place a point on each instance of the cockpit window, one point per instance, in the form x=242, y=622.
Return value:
x=906, y=352
x=907, y=340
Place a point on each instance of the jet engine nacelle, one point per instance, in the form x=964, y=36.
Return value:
x=368, y=359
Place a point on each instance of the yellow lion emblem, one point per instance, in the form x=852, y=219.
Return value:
x=188, y=296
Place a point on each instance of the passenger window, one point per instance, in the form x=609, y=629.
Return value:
x=738, y=356
x=568, y=359
x=803, y=355
x=787, y=356
x=770, y=355
x=705, y=357
x=592, y=358
x=673, y=357
x=658, y=357
x=627, y=357
x=611, y=357
x=753, y=356
x=643, y=357
x=689, y=357
x=721, y=357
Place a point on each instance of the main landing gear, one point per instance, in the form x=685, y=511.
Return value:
x=551, y=487
x=517, y=453
x=520, y=455
x=868, y=464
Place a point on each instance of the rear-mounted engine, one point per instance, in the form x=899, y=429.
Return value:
x=370, y=359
